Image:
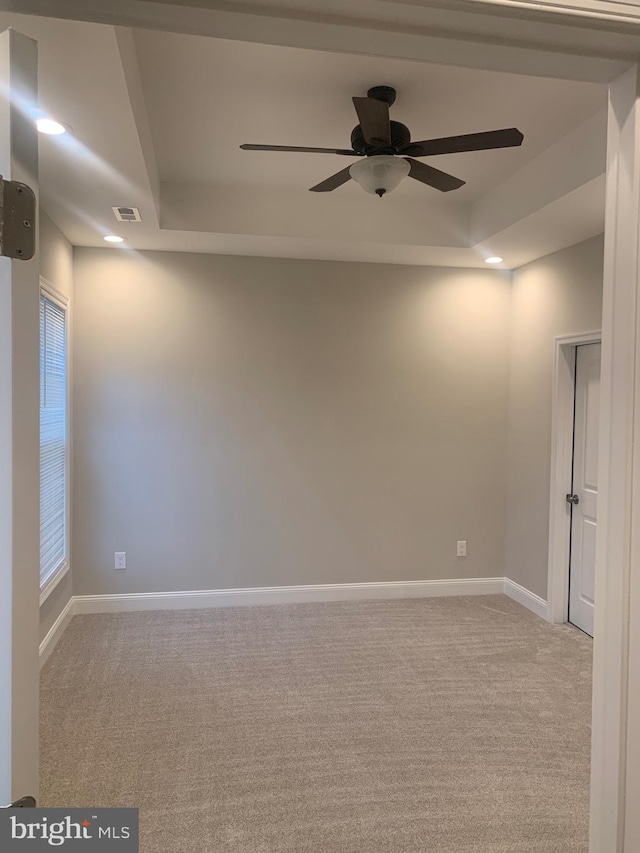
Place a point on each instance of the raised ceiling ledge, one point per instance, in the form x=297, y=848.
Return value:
x=607, y=10
x=352, y=215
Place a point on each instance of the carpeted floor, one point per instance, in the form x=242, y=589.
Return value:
x=419, y=726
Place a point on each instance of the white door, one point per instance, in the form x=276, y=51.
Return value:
x=19, y=441
x=584, y=492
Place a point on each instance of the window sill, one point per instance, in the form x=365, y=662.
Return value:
x=52, y=582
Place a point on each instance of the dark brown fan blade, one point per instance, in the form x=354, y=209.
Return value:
x=434, y=177
x=333, y=182
x=507, y=138
x=373, y=116
x=348, y=151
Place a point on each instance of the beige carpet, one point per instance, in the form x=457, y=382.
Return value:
x=419, y=726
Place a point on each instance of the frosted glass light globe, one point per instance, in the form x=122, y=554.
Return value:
x=380, y=173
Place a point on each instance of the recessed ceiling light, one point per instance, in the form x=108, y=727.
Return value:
x=113, y=238
x=50, y=126
x=495, y=260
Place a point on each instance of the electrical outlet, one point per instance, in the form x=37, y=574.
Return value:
x=120, y=559
x=461, y=548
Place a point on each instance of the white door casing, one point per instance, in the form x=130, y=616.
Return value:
x=19, y=441
x=615, y=779
x=584, y=513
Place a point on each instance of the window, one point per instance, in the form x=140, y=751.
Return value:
x=54, y=484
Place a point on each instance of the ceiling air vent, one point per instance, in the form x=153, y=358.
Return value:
x=127, y=214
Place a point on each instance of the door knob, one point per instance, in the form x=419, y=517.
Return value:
x=573, y=499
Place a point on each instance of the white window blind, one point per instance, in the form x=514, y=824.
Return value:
x=53, y=438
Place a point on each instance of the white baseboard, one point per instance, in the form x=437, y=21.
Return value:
x=56, y=631
x=211, y=598
x=528, y=599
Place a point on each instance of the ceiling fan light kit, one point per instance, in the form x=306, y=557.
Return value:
x=386, y=153
x=379, y=174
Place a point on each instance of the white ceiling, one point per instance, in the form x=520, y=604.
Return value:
x=157, y=119
x=227, y=93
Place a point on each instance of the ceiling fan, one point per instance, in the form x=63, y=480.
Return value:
x=387, y=152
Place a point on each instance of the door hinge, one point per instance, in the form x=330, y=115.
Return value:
x=22, y=803
x=17, y=220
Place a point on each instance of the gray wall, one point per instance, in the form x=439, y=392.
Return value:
x=255, y=422
x=56, y=265
x=557, y=295
x=248, y=422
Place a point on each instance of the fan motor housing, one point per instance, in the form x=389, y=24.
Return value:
x=400, y=138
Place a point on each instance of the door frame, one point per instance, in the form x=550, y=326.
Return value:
x=562, y=418
x=615, y=778
x=19, y=445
